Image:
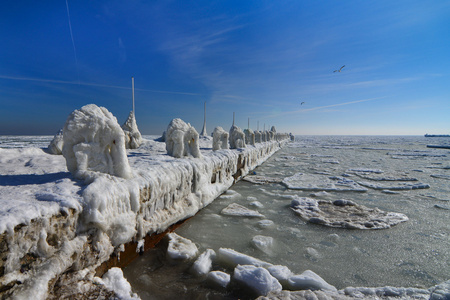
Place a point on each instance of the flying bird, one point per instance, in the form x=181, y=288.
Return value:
x=339, y=69
x=302, y=103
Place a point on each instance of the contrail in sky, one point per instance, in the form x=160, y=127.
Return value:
x=73, y=41
x=93, y=84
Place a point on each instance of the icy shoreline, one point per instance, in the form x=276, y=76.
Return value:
x=56, y=229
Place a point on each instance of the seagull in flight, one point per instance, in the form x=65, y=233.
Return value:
x=339, y=69
x=302, y=103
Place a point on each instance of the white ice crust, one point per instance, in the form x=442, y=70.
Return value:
x=114, y=281
x=56, y=145
x=257, y=279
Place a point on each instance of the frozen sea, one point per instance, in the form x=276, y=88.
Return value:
x=392, y=173
x=415, y=253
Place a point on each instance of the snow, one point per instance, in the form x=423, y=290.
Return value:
x=257, y=279
x=181, y=248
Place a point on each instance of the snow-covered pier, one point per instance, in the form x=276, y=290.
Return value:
x=61, y=230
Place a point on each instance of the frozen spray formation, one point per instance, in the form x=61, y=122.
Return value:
x=133, y=138
x=59, y=230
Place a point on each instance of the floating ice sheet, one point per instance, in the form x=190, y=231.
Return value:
x=309, y=182
x=397, y=186
x=344, y=214
x=235, y=209
x=256, y=179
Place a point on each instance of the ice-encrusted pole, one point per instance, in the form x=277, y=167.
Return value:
x=132, y=88
x=204, y=133
x=248, y=125
x=233, y=118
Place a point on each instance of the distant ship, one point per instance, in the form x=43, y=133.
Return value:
x=437, y=135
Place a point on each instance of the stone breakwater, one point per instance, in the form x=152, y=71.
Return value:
x=80, y=229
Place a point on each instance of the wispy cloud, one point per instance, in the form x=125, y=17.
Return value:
x=43, y=80
x=322, y=107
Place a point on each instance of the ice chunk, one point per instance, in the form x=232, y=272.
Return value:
x=440, y=176
x=237, y=138
x=281, y=273
x=256, y=179
x=203, y=264
x=230, y=194
x=256, y=279
x=180, y=248
x=256, y=204
x=94, y=142
x=233, y=258
x=218, y=278
x=265, y=223
x=310, y=182
x=133, y=138
x=397, y=186
x=114, y=281
x=263, y=243
x=182, y=139
x=220, y=139
x=249, y=137
x=235, y=209
x=309, y=280
x=344, y=214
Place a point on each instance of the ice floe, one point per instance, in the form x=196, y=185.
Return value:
x=203, y=265
x=219, y=279
x=256, y=179
x=263, y=243
x=181, y=248
x=235, y=209
x=397, y=186
x=344, y=214
x=309, y=182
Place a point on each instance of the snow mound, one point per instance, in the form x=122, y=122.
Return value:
x=94, y=142
x=114, y=281
x=344, y=214
x=133, y=138
x=235, y=209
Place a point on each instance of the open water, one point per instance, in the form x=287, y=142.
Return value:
x=415, y=253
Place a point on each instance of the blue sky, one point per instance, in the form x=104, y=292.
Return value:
x=259, y=59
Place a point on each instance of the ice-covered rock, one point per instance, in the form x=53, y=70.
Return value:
x=344, y=214
x=182, y=139
x=220, y=139
x=237, y=138
x=249, y=137
x=203, y=264
x=94, y=142
x=309, y=182
x=257, y=279
x=133, y=138
x=56, y=145
x=309, y=280
x=218, y=279
x=235, y=209
x=180, y=248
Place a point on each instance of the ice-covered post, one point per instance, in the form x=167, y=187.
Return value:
x=132, y=88
x=204, y=133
